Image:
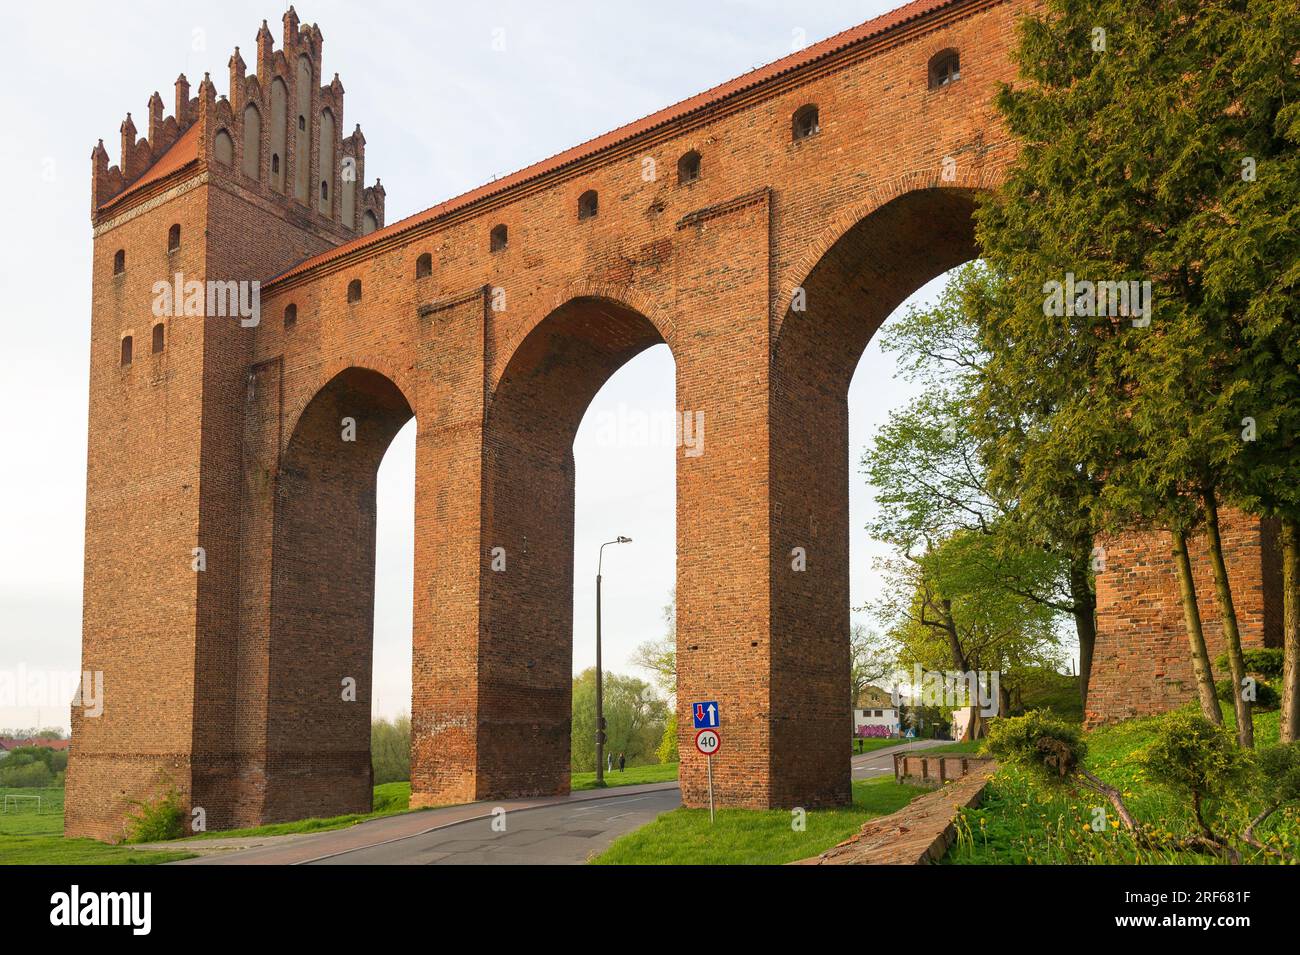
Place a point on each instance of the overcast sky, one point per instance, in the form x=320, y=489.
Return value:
x=442, y=112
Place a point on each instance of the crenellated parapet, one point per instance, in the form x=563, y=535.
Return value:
x=277, y=132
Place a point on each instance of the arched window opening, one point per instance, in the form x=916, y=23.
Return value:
x=302, y=123
x=174, y=237
x=369, y=223
x=424, y=266
x=354, y=291
x=275, y=164
x=290, y=315
x=688, y=167
x=252, y=158
x=159, y=338
x=588, y=205
x=324, y=191
x=126, y=350
x=500, y=238
x=805, y=122
x=224, y=148
x=119, y=261
x=945, y=68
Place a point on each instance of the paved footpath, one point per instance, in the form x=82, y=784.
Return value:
x=551, y=830
x=876, y=764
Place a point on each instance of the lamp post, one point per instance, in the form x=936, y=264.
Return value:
x=600, y=677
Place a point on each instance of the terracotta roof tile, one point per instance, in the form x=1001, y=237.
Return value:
x=745, y=81
x=182, y=152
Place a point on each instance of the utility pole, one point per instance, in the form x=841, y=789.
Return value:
x=600, y=675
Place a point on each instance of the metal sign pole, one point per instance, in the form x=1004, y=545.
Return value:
x=710, y=759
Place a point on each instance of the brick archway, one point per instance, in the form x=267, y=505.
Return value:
x=501, y=726
x=497, y=348
x=321, y=626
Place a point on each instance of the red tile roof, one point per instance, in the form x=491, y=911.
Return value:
x=182, y=152
x=9, y=742
x=746, y=81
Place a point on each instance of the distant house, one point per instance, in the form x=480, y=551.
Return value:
x=874, y=713
x=10, y=743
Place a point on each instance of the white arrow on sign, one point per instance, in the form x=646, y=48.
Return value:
x=713, y=714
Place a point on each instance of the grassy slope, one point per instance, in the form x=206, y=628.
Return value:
x=632, y=776
x=27, y=838
x=390, y=799
x=870, y=745
x=749, y=837
x=1022, y=823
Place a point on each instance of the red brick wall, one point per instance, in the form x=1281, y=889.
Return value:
x=1142, y=663
x=232, y=680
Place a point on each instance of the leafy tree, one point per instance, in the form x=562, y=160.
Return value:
x=667, y=751
x=871, y=659
x=947, y=610
x=1153, y=399
x=1248, y=240
x=660, y=656
x=390, y=749
x=929, y=464
x=634, y=716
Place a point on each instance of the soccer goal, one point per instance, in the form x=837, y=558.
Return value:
x=13, y=802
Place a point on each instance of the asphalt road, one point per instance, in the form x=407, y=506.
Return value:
x=552, y=830
x=563, y=830
x=566, y=833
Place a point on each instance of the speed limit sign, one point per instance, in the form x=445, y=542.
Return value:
x=708, y=741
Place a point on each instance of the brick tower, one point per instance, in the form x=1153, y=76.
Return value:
x=219, y=197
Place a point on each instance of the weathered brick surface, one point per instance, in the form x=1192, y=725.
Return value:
x=918, y=834
x=230, y=439
x=1142, y=663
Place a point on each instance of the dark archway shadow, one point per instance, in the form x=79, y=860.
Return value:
x=322, y=598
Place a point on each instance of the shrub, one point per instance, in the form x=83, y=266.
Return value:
x=667, y=751
x=1048, y=748
x=1266, y=661
x=28, y=775
x=1266, y=698
x=158, y=820
x=1193, y=756
x=1279, y=770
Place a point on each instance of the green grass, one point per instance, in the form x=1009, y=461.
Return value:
x=390, y=799
x=1021, y=822
x=750, y=837
x=969, y=746
x=871, y=744
x=632, y=776
x=27, y=838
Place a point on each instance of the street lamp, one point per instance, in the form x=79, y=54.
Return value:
x=600, y=679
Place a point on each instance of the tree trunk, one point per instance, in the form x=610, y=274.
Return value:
x=1195, y=635
x=1290, y=729
x=1085, y=622
x=954, y=642
x=1228, y=612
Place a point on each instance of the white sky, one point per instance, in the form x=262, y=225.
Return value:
x=414, y=75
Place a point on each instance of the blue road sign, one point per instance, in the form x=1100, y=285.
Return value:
x=706, y=715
